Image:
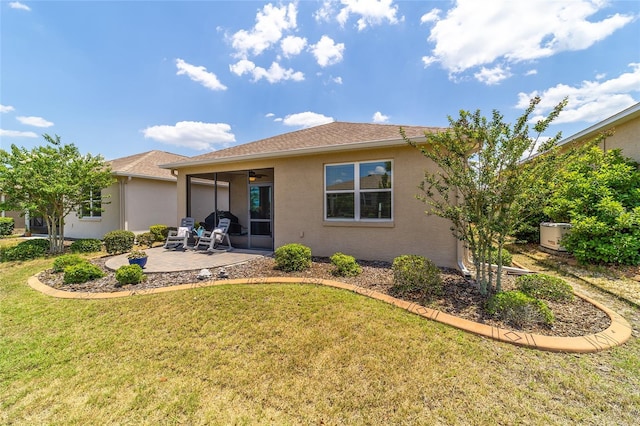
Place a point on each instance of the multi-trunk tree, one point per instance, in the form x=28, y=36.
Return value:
x=488, y=179
x=52, y=181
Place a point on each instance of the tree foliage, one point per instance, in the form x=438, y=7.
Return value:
x=51, y=181
x=482, y=185
x=599, y=194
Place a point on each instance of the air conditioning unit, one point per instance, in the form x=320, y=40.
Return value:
x=551, y=234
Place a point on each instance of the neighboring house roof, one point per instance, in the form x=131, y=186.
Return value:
x=617, y=119
x=145, y=165
x=335, y=136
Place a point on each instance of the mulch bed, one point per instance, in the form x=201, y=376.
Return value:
x=460, y=297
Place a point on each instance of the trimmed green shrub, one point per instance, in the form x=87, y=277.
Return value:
x=29, y=249
x=413, y=273
x=119, y=241
x=89, y=245
x=518, y=309
x=81, y=273
x=130, y=274
x=160, y=232
x=7, y=225
x=66, y=260
x=546, y=287
x=345, y=265
x=507, y=258
x=146, y=239
x=293, y=257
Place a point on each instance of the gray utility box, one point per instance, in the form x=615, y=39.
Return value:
x=551, y=234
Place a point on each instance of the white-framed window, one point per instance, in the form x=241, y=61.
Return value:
x=92, y=207
x=359, y=191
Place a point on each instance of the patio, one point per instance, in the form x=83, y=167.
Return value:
x=163, y=260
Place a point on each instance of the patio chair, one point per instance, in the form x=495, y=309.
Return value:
x=179, y=238
x=212, y=239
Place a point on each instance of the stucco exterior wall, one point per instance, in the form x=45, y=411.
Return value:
x=626, y=138
x=203, y=200
x=96, y=227
x=299, y=203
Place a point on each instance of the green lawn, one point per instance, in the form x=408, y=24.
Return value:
x=284, y=354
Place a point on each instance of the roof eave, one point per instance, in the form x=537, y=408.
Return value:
x=139, y=176
x=293, y=152
x=619, y=118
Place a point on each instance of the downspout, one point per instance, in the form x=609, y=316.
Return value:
x=461, y=251
x=122, y=185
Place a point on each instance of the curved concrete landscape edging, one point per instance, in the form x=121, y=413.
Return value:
x=618, y=332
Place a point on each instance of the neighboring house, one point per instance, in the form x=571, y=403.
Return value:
x=338, y=187
x=626, y=136
x=18, y=217
x=143, y=195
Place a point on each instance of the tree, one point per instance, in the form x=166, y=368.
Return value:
x=483, y=186
x=51, y=181
x=599, y=194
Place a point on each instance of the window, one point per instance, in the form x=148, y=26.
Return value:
x=358, y=191
x=92, y=207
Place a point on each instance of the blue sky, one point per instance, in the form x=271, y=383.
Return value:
x=122, y=77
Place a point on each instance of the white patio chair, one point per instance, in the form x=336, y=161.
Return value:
x=179, y=238
x=212, y=239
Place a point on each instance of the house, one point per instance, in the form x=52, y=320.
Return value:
x=626, y=136
x=143, y=195
x=338, y=187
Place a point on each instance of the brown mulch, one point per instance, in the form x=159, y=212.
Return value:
x=460, y=298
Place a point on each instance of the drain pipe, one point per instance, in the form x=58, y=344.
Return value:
x=461, y=250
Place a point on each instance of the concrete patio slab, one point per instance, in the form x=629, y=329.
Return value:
x=163, y=260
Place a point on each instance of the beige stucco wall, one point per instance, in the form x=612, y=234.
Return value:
x=95, y=227
x=627, y=138
x=299, y=203
x=203, y=200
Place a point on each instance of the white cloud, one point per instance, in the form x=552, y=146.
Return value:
x=371, y=12
x=492, y=76
x=474, y=34
x=306, y=119
x=271, y=22
x=379, y=117
x=34, y=121
x=6, y=108
x=17, y=134
x=431, y=16
x=199, y=74
x=591, y=101
x=337, y=80
x=327, y=52
x=269, y=115
x=274, y=74
x=18, y=5
x=531, y=72
x=325, y=12
x=192, y=134
x=292, y=46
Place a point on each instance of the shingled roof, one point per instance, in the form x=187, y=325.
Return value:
x=327, y=137
x=145, y=165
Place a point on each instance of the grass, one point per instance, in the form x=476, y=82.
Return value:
x=283, y=354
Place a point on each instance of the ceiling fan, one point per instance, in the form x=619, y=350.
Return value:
x=253, y=176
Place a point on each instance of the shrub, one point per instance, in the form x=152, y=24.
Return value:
x=89, y=245
x=66, y=260
x=507, y=259
x=416, y=273
x=293, y=257
x=81, y=273
x=345, y=265
x=146, y=239
x=29, y=249
x=519, y=309
x=160, y=232
x=6, y=226
x=598, y=194
x=545, y=287
x=130, y=274
x=119, y=241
